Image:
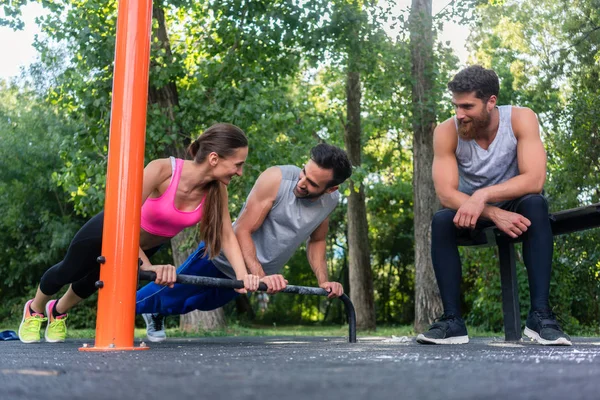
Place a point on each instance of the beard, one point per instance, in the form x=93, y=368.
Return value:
x=470, y=130
x=306, y=195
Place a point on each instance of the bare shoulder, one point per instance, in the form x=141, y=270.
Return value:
x=445, y=137
x=520, y=112
x=271, y=173
x=524, y=122
x=448, y=125
x=269, y=180
x=159, y=168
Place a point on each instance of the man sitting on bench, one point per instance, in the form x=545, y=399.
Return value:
x=489, y=168
x=286, y=206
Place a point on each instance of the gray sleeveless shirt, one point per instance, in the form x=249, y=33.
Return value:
x=289, y=223
x=479, y=168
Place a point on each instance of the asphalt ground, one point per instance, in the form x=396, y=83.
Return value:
x=302, y=368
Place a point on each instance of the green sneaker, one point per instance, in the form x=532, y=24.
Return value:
x=29, y=330
x=56, y=330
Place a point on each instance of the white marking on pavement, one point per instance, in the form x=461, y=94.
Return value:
x=36, y=372
x=504, y=344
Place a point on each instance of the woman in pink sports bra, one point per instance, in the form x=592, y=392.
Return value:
x=176, y=194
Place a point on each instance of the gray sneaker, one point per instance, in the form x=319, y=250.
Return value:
x=155, y=327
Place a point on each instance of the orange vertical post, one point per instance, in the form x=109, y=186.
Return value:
x=122, y=209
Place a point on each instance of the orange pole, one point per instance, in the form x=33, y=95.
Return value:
x=122, y=209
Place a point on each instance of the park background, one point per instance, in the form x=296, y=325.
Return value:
x=365, y=75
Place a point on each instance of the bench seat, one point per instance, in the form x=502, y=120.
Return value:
x=562, y=222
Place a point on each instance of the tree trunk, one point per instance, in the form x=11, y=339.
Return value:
x=427, y=298
x=184, y=243
x=203, y=320
x=360, y=275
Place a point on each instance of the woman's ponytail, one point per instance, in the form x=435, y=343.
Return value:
x=223, y=139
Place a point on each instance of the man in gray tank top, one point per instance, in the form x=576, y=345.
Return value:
x=489, y=168
x=286, y=207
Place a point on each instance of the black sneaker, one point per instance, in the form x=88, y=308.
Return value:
x=448, y=329
x=543, y=328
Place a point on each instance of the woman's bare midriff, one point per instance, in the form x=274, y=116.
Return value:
x=150, y=241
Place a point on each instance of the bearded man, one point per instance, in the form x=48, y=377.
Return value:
x=489, y=168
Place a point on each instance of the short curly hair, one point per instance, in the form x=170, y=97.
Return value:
x=327, y=156
x=484, y=82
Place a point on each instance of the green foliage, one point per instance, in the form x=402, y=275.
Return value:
x=37, y=221
x=11, y=13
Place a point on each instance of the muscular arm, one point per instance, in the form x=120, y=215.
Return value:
x=445, y=169
x=315, y=251
x=531, y=157
x=259, y=203
x=231, y=249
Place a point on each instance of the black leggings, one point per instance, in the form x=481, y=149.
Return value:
x=79, y=267
x=538, y=246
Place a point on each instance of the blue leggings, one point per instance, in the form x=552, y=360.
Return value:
x=538, y=246
x=182, y=299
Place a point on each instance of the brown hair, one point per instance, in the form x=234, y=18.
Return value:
x=475, y=78
x=223, y=139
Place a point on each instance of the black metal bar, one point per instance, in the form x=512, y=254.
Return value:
x=510, y=291
x=235, y=284
x=574, y=220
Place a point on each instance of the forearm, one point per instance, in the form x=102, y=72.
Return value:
x=248, y=252
x=315, y=251
x=513, y=188
x=454, y=199
x=145, y=260
x=231, y=249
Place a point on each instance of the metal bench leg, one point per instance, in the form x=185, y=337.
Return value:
x=510, y=291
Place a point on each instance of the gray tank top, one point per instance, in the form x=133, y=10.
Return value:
x=289, y=223
x=479, y=168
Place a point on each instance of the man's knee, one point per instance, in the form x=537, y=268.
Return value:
x=443, y=219
x=532, y=205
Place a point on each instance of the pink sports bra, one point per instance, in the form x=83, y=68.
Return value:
x=159, y=215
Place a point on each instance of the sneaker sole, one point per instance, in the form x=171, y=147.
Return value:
x=22, y=321
x=155, y=339
x=451, y=340
x=533, y=335
x=49, y=312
